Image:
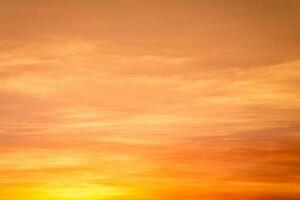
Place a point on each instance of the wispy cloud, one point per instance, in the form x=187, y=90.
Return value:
x=149, y=100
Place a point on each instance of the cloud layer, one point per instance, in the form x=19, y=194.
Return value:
x=157, y=100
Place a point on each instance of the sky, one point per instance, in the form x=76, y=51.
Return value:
x=149, y=100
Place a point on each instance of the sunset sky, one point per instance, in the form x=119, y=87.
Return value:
x=149, y=99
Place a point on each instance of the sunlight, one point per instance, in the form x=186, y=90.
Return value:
x=83, y=192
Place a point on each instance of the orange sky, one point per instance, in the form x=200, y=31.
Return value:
x=149, y=100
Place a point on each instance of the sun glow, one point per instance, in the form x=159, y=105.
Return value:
x=82, y=192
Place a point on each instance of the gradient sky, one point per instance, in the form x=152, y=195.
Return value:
x=149, y=100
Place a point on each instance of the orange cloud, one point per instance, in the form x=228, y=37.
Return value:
x=157, y=100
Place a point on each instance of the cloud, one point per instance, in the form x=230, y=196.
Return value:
x=149, y=100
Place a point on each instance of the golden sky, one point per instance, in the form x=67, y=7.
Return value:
x=149, y=100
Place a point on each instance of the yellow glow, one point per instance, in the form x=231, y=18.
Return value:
x=85, y=192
